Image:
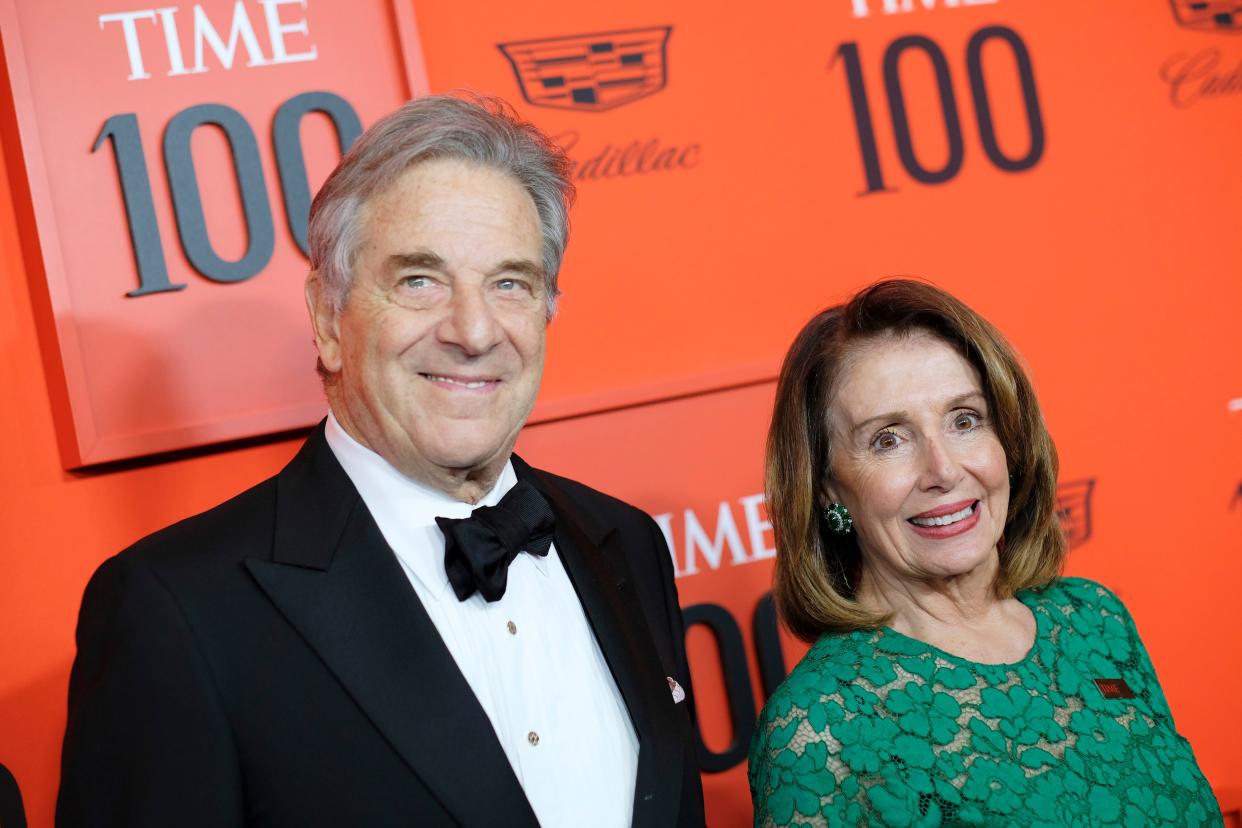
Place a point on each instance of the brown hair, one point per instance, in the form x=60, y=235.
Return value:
x=814, y=567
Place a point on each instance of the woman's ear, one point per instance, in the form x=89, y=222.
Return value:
x=827, y=492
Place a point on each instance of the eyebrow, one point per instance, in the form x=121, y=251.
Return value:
x=422, y=258
x=899, y=416
x=431, y=261
x=523, y=266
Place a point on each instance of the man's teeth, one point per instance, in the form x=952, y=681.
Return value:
x=945, y=520
x=451, y=381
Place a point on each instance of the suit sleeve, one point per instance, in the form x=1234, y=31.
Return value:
x=147, y=741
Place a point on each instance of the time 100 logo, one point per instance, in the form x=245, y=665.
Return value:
x=122, y=132
x=848, y=54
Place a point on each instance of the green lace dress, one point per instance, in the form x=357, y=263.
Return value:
x=875, y=728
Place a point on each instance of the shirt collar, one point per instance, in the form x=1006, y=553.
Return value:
x=406, y=510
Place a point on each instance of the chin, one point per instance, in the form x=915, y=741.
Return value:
x=464, y=455
x=962, y=563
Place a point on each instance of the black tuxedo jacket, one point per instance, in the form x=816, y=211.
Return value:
x=267, y=663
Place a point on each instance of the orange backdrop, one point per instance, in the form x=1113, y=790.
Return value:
x=1073, y=174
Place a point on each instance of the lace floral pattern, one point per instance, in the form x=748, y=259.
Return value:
x=874, y=728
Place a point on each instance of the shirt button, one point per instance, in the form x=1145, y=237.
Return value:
x=512, y=628
x=533, y=738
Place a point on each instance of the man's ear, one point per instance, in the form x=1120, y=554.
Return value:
x=324, y=320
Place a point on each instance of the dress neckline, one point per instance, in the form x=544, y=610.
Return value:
x=1028, y=600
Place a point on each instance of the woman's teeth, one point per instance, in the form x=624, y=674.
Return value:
x=945, y=520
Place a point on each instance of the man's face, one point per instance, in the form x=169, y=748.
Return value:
x=438, y=350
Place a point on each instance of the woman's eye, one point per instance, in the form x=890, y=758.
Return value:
x=886, y=441
x=967, y=421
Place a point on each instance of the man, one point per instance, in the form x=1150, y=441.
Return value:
x=340, y=645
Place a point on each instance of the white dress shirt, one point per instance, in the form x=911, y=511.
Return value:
x=530, y=658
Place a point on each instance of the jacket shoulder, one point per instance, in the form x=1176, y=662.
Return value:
x=237, y=528
x=605, y=507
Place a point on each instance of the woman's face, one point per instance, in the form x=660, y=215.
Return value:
x=915, y=459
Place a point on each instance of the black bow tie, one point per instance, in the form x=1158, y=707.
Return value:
x=479, y=549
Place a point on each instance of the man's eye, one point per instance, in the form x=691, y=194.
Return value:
x=512, y=285
x=416, y=282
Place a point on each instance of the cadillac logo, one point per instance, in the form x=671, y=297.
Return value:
x=1074, y=510
x=591, y=72
x=1209, y=15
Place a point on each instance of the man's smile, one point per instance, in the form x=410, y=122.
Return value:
x=462, y=383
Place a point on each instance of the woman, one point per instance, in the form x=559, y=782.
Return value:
x=954, y=679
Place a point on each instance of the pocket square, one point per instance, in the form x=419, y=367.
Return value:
x=679, y=695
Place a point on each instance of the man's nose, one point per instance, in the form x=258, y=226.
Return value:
x=470, y=322
x=939, y=468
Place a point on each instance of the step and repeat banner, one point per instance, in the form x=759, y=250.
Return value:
x=1070, y=170
x=170, y=155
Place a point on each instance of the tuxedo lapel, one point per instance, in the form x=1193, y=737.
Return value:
x=601, y=579
x=335, y=579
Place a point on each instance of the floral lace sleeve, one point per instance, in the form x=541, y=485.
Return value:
x=794, y=775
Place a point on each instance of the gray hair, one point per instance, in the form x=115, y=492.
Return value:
x=479, y=129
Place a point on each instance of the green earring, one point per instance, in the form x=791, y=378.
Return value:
x=838, y=518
